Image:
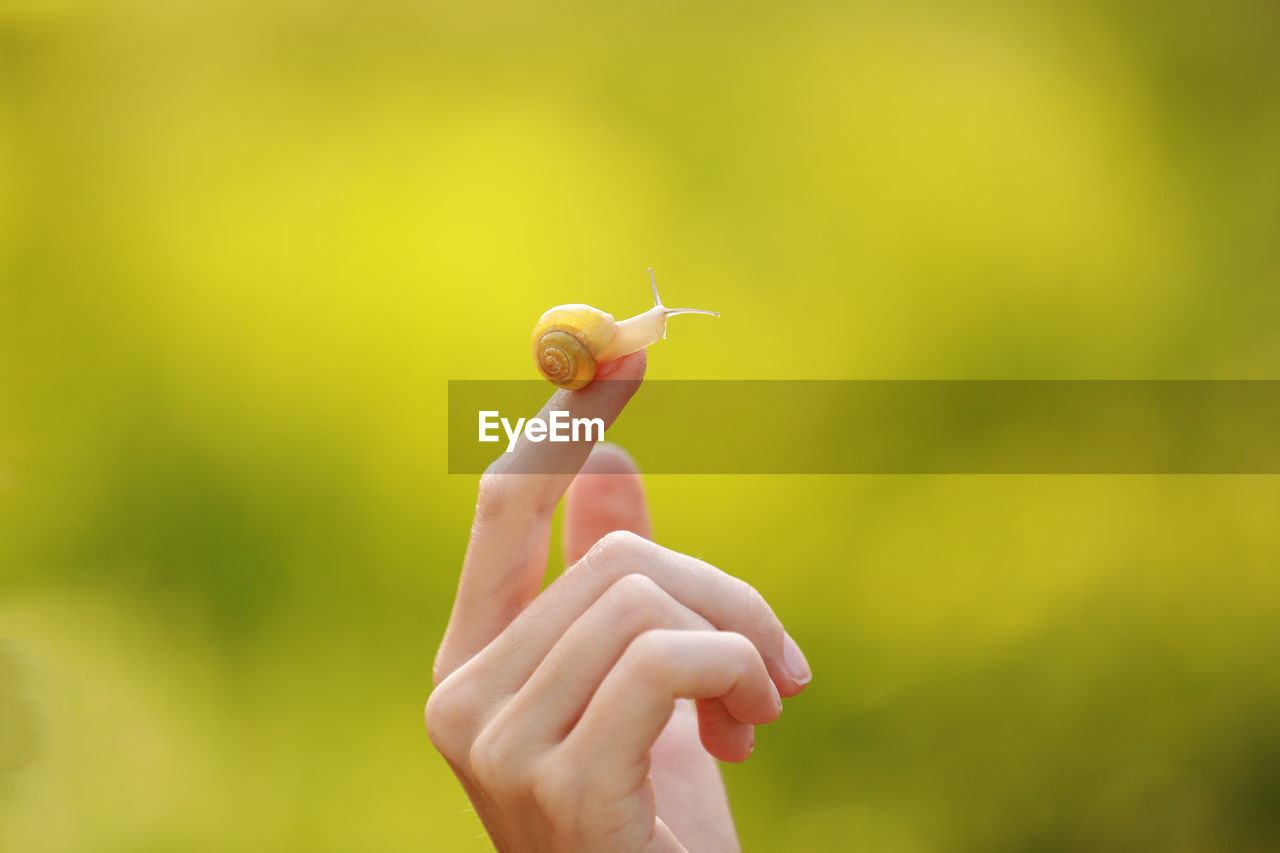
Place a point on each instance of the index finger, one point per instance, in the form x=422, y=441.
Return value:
x=507, y=555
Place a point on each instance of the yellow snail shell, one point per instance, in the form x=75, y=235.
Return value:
x=567, y=342
x=570, y=340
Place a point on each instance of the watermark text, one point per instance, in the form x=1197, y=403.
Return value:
x=559, y=426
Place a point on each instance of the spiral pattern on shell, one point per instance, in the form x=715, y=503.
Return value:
x=564, y=359
x=567, y=340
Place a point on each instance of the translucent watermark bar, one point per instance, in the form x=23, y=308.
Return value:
x=908, y=426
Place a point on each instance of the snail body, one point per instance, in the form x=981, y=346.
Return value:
x=569, y=341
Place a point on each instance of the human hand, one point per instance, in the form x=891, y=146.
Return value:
x=555, y=710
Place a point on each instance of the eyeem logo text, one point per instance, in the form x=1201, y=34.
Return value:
x=558, y=427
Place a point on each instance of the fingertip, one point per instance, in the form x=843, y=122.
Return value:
x=723, y=736
x=631, y=366
x=797, y=667
x=607, y=495
x=606, y=395
x=732, y=746
x=609, y=458
x=777, y=702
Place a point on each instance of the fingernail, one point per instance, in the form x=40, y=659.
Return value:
x=794, y=661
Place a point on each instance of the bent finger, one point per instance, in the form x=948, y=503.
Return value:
x=553, y=699
x=637, y=697
x=725, y=601
x=723, y=735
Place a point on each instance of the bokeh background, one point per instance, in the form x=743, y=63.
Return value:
x=243, y=245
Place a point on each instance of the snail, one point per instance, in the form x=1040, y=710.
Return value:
x=569, y=341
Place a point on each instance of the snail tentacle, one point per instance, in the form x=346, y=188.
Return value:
x=570, y=340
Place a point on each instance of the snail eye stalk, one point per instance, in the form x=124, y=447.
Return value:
x=570, y=340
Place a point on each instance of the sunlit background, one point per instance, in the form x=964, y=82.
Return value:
x=243, y=245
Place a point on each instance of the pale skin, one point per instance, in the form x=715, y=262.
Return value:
x=566, y=713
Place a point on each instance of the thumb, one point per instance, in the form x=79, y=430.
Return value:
x=607, y=495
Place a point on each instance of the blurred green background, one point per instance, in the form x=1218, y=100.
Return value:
x=244, y=244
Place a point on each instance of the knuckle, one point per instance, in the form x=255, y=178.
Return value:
x=616, y=548
x=636, y=598
x=742, y=647
x=620, y=543
x=445, y=716
x=488, y=761
x=647, y=657
x=556, y=793
x=503, y=496
x=495, y=494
